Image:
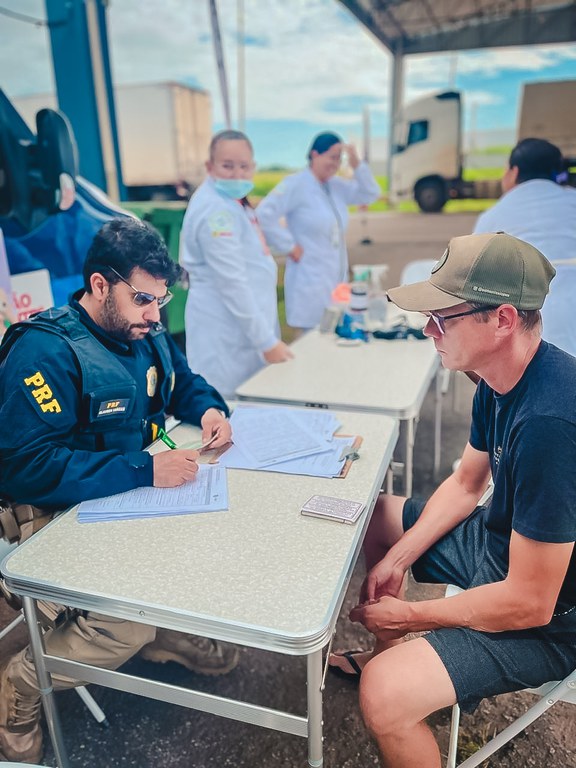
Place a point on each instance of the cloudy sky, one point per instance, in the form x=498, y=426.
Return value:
x=309, y=66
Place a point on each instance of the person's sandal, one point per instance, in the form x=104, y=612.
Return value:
x=349, y=656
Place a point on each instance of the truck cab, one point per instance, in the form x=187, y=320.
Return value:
x=427, y=153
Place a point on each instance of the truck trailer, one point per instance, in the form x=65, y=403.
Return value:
x=164, y=132
x=428, y=158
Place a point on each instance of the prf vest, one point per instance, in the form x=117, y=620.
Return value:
x=111, y=412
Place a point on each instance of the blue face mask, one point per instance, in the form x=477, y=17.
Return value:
x=234, y=188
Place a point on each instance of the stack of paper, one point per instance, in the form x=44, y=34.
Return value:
x=285, y=440
x=208, y=492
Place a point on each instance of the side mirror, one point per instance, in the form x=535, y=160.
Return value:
x=56, y=157
x=15, y=142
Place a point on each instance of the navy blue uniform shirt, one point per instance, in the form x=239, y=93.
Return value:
x=38, y=461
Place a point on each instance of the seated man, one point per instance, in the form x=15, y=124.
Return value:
x=62, y=443
x=515, y=625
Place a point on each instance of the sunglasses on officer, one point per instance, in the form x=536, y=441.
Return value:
x=141, y=298
x=440, y=320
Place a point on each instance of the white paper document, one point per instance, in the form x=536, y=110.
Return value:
x=325, y=464
x=208, y=492
x=269, y=435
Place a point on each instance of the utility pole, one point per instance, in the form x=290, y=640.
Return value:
x=241, y=69
x=219, y=53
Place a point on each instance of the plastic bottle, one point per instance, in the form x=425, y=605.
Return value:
x=359, y=297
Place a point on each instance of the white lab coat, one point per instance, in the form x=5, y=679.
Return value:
x=231, y=310
x=316, y=217
x=543, y=214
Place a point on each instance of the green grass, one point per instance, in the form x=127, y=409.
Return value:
x=265, y=181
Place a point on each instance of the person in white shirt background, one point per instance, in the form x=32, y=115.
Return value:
x=537, y=209
x=232, y=327
x=313, y=204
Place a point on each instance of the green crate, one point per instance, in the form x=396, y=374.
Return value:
x=167, y=218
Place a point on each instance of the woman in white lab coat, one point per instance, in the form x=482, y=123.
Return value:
x=314, y=205
x=231, y=312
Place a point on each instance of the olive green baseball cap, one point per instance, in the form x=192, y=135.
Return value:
x=490, y=269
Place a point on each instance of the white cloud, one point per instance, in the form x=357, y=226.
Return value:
x=309, y=53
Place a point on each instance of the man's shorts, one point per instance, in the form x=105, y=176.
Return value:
x=482, y=664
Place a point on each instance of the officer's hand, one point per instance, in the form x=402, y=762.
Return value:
x=215, y=423
x=172, y=468
x=279, y=353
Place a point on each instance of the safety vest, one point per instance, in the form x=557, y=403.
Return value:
x=112, y=416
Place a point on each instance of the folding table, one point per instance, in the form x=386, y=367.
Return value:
x=381, y=376
x=259, y=574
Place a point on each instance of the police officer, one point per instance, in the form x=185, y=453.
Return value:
x=83, y=389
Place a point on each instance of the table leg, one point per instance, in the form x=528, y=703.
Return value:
x=45, y=683
x=314, y=669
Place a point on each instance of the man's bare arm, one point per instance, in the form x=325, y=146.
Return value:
x=452, y=502
x=525, y=598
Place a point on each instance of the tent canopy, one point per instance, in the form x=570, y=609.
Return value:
x=430, y=26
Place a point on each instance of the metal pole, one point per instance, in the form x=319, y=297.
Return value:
x=101, y=95
x=396, y=99
x=45, y=683
x=219, y=53
x=241, y=73
x=366, y=131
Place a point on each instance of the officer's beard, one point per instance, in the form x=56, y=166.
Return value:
x=115, y=324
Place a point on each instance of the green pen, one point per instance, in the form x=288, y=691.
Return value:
x=163, y=435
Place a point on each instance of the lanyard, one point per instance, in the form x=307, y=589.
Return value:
x=340, y=225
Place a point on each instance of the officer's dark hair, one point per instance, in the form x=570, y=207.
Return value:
x=228, y=135
x=536, y=159
x=126, y=244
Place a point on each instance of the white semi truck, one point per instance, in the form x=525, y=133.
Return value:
x=164, y=132
x=427, y=160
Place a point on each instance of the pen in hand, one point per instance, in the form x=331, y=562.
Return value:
x=167, y=440
x=163, y=435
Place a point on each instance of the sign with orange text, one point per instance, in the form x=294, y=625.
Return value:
x=31, y=293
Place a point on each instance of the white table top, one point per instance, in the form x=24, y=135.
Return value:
x=390, y=377
x=259, y=574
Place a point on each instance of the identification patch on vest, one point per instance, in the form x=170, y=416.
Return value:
x=42, y=393
x=113, y=407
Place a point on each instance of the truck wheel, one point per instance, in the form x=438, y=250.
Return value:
x=430, y=196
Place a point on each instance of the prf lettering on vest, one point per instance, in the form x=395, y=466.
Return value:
x=43, y=394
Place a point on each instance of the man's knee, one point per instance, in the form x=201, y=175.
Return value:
x=385, y=700
x=385, y=526
x=400, y=687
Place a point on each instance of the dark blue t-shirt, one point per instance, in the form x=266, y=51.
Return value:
x=529, y=434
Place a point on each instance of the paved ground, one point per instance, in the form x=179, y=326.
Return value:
x=154, y=735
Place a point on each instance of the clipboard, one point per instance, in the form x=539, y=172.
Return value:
x=212, y=455
x=352, y=454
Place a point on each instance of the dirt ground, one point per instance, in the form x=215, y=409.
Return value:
x=150, y=734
